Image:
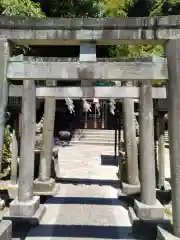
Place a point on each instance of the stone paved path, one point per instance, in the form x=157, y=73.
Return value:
x=86, y=206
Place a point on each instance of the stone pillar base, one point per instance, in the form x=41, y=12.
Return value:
x=30, y=211
x=130, y=189
x=147, y=212
x=162, y=234
x=12, y=191
x=48, y=188
x=145, y=219
x=5, y=230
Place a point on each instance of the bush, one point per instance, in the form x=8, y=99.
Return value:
x=6, y=158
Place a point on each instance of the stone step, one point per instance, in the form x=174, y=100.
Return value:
x=108, y=137
x=94, y=136
x=98, y=134
x=94, y=139
x=97, y=131
x=166, y=136
x=92, y=142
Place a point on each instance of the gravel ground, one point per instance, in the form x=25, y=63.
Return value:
x=86, y=206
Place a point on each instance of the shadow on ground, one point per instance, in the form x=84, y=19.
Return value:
x=84, y=201
x=82, y=231
x=20, y=231
x=86, y=181
x=109, y=160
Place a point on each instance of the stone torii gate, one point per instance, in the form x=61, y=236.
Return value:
x=109, y=31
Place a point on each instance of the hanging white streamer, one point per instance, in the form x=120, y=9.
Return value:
x=86, y=106
x=97, y=105
x=70, y=105
x=112, y=105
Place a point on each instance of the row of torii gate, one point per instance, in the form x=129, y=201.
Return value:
x=88, y=33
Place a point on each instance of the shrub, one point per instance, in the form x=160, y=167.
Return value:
x=6, y=158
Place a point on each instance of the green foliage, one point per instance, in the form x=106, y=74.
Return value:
x=70, y=8
x=6, y=159
x=117, y=8
x=7, y=141
x=104, y=83
x=24, y=8
x=159, y=7
x=136, y=50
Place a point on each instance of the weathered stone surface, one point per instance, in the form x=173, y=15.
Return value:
x=104, y=31
x=26, y=164
x=30, y=211
x=47, y=139
x=88, y=92
x=80, y=23
x=48, y=188
x=130, y=142
x=162, y=234
x=4, y=89
x=18, y=58
x=12, y=191
x=130, y=189
x=146, y=145
x=146, y=229
x=34, y=220
x=161, y=151
x=87, y=70
x=88, y=23
x=24, y=209
x=172, y=51
x=60, y=37
x=149, y=212
x=108, y=37
x=5, y=230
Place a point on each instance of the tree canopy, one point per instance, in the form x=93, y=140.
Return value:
x=133, y=8
x=25, y=8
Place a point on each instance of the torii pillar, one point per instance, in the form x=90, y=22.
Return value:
x=132, y=186
x=172, y=52
x=44, y=184
x=5, y=225
x=26, y=207
x=148, y=210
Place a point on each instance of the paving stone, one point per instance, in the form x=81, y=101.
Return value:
x=86, y=207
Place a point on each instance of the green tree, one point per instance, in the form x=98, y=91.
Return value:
x=120, y=8
x=161, y=7
x=70, y=8
x=116, y=8
x=24, y=8
x=6, y=160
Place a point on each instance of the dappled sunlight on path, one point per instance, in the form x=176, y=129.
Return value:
x=86, y=206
